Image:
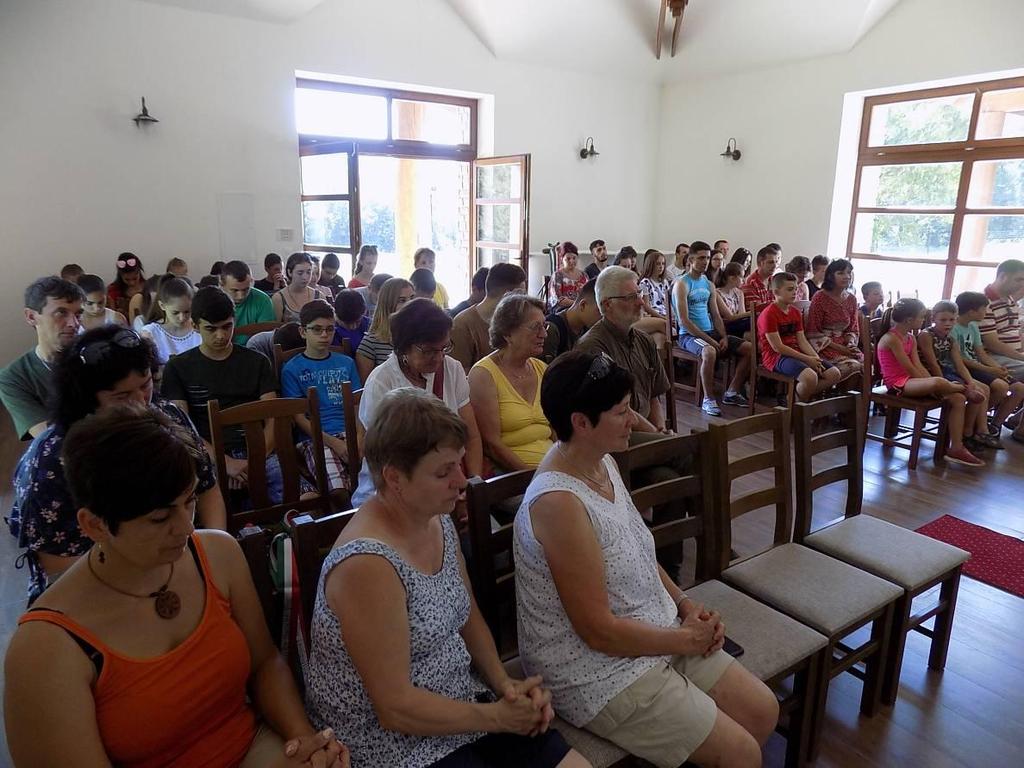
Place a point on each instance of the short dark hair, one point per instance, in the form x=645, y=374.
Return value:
x=378, y=280
x=128, y=461
x=212, y=304
x=69, y=271
x=595, y=244
x=76, y=382
x=217, y=268
x=681, y=245
x=798, y=264
x=699, y=245
x=317, y=309
x=719, y=242
x=945, y=306
x=206, y=281
x=569, y=247
x=288, y=336
x=270, y=260
x=868, y=287
x=828, y=283
x=420, y=321
x=479, y=280
x=587, y=292
x=423, y=281
x=331, y=261
x=91, y=284
x=51, y=287
x=819, y=261
x=625, y=252
x=769, y=250
x=570, y=372
x=504, y=277
x=968, y=301
x=408, y=424
x=349, y=305
x=779, y=279
x=236, y=270
x=1009, y=267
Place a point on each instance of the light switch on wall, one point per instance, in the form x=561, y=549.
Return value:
x=285, y=235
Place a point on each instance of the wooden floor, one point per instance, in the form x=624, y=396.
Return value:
x=970, y=715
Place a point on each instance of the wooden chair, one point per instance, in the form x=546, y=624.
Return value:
x=678, y=353
x=312, y=539
x=350, y=399
x=914, y=562
x=253, y=328
x=281, y=357
x=251, y=417
x=671, y=417
x=255, y=543
x=829, y=596
x=894, y=433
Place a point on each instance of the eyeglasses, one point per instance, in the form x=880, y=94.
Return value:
x=431, y=351
x=535, y=328
x=320, y=330
x=127, y=263
x=98, y=351
x=627, y=296
x=601, y=367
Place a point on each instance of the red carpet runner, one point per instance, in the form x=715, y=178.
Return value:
x=996, y=559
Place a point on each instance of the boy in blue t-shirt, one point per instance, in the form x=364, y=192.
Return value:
x=317, y=366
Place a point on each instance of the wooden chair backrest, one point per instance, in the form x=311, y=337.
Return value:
x=725, y=471
x=492, y=587
x=281, y=357
x=350, y=399
x=312, y=539
x=255, y=543
x=850, y=407
x=671, y=417
x=253, y=328
x=252, y=417
x=690, y=492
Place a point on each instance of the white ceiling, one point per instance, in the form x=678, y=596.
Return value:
x=616, y=37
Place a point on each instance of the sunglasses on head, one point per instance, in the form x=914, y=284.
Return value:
x=97, y=351
x=127, y=263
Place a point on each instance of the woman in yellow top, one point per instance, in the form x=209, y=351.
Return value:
x=504, y=387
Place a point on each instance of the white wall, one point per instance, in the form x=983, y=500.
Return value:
x=80, y=183
x=787, y=122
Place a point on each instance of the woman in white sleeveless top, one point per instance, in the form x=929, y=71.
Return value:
x=626, y=654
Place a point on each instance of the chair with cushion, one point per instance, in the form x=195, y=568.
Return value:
x=252, y=418
x=828, y=595
x=914, y=562
x=776, y=648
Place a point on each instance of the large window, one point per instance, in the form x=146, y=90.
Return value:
x=387, y=168
x=939, y=193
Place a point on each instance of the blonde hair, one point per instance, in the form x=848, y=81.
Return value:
x=387, y=303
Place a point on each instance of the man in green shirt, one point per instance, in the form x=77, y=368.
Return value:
x=53, y=307
x=251, y=304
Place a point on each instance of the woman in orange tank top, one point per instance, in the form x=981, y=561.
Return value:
x=147, y=651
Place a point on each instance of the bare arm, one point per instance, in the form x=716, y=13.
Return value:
x=364, y=365
x=908, y=365
x=474, y=445
x=775, y=341
x=927, y=352
x=716, y=317
x=277, y=300
x=576, y=561
x=997, y=347
x=484, y=396
x=805, y=345
x=958, y=363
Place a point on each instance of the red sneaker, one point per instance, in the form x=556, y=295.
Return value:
x=963, y=456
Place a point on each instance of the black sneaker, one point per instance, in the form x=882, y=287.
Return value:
x=735, y=398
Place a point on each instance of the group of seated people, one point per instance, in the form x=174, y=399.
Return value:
x=108, y=491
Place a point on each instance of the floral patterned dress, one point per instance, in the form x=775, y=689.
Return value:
x=835, y=321
x=44, y=516
x=564, y=286
x=658, y=293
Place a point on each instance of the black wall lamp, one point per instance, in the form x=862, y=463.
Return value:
x=144, y=118
x=588, y=149
x=731, y=150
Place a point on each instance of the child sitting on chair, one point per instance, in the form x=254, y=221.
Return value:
x=903, y=374
x=940, y=354
x=785, y=349
x=1006, y=395
x=317, y=366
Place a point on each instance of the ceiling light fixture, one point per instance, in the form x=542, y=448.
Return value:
x=588, y=149
x=731, y=150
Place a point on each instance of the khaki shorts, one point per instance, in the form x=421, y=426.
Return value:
x=665, y=714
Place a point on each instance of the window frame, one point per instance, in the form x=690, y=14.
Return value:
x=965, y=152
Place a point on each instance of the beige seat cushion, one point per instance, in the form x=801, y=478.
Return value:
x=601, y=753
x=907, y=558
x=772, y=642
x=815, y=589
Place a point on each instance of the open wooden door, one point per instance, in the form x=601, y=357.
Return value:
x=500, y=211
x=330, y=197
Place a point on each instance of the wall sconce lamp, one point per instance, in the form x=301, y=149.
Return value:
x=588, y=149
x=143, y=118
x=731, y=150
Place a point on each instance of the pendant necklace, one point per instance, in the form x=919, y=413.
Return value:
x=168, y=603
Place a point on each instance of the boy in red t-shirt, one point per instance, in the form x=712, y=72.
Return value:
x=785, y=349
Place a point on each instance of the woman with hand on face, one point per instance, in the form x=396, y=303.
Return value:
x=150, y=648
x=627, y=655
x=567, y=281
x=127, y=284
x=504, y=387
x=403, y=667
x=289, y=301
